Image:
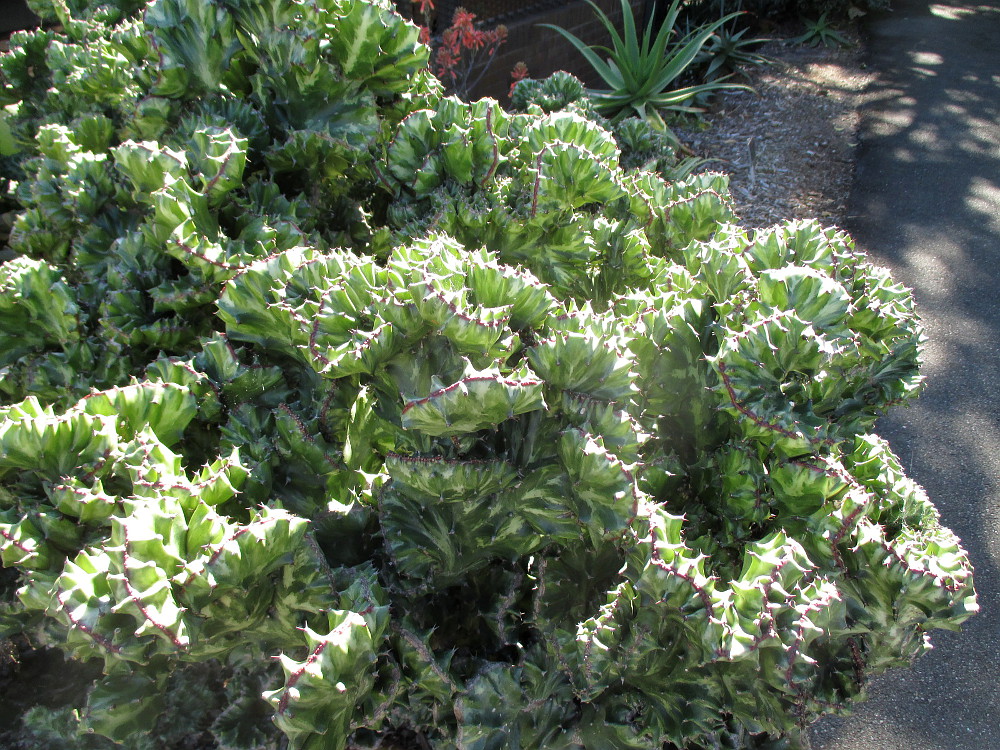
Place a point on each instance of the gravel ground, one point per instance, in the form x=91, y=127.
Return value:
x=789, y=145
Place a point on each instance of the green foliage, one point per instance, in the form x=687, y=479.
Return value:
x=641, y=72
x=642, y=146
x=821, y=31
x=335, y=410
x=727, y=53
x=559, y=91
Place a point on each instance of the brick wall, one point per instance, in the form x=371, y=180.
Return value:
x=545, y=51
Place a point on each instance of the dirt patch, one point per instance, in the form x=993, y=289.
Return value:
x=789, y=146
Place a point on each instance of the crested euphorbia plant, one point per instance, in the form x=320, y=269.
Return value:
x=338, y=411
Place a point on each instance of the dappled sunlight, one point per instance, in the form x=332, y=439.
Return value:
x=933, y=263
x=962, y=95
x=951, y=12
x=923, y=62
x=899, y=120
x=926, y=203
x=956, y=13
x=927, y=58
x=983, y=198
x=831, y=75
x=878, y=96
x=927, y=136
x=976, y=145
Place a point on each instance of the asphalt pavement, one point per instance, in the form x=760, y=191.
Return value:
x=926, y=203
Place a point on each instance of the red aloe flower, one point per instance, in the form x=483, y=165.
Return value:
x=463, y=53
x=495, y=37
x=462, y=23
x=446, y=60
x=519, y=73
x=462, y=18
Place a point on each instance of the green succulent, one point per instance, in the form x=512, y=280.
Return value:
x=727, y=53
x=642, y=73
x=821, y=31
x=334, y=411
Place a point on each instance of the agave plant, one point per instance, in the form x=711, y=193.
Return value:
x=641, y=73
x=821, y=31
x=727, y=52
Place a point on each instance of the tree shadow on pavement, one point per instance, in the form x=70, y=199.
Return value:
x=926, y=203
